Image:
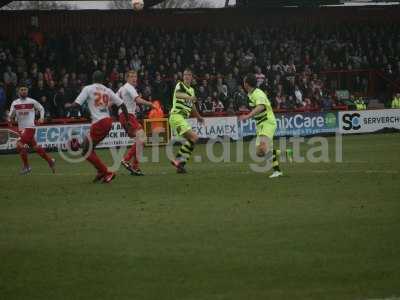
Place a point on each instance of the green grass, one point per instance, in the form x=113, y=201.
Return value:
x=324, y=231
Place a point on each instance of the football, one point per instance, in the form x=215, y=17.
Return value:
x=137, y=4
x=74, y=144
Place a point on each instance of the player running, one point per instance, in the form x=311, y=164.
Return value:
x=129, y=95
x=23, y=110
x=265, y=122
x=98, y=98
x=183, y=106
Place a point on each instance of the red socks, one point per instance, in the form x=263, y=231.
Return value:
x=40, y=151
x=24, y=155
x=134, y=152
x=97, y=163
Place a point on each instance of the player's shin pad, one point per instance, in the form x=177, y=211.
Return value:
x=185, y=151
x=275, y=160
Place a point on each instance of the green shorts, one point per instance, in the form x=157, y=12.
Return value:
x=265, y=129
x=179, y=124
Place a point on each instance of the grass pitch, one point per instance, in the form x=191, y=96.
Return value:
x=324, y=231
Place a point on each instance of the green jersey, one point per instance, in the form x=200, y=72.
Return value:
x=182, y=106
x=258, y=97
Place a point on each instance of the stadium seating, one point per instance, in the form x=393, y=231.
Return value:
x=297, y=65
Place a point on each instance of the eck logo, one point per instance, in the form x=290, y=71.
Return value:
x=351, y=121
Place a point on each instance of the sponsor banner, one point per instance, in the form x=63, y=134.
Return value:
x=365, y=121
x=216, y=127
x=8, y=139
x=297, y=124
x=56, y=136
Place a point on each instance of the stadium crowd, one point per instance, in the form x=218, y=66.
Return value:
x=289, y=63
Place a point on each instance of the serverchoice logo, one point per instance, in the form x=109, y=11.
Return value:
x=351, y=121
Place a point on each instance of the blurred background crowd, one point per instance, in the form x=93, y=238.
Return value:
x=293, y=64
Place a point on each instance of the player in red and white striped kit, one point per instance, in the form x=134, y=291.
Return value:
x=23, y=110
x=98, y=98
x=131, y=97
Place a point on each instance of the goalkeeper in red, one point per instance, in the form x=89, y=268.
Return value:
x=265, y=123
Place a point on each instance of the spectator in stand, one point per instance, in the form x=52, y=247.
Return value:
x=396, y=101
x=280, y=101
x=42, y=94
x=51, y=94
x=114, y=76
x=223, y=94
x=231, y=83
x=218, y=106
x=159, y=90
x=316, y=98
x=259, y=76
x=231, y=109
x=240, y=98
x=298, y=96
x=202, y=94
x=308, y=104
x=26, y=80
x=286, y=56
x=326, y=103
x=39, y=93
x=10, y=77
x=243, y=108
x=48, y=75
x=60, y=101
x=207, y=105
x=360, y=104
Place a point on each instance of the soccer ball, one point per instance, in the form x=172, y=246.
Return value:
x=137, y=4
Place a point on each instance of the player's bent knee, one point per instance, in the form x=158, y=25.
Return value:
x=194, y=137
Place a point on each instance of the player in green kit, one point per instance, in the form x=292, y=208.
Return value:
x=265, y=123
x=183, y=106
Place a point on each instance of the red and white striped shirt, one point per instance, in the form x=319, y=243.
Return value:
x=25, y=110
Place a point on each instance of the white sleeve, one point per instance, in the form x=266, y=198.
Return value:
x=114, y=98
x=81, y=99
x=119, y=93
x=134, y=93
x=39, y=108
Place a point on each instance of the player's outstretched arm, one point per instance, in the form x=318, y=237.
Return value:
x=196, y=114
x=140, y=100
x=259, y=108
x=80, y=100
